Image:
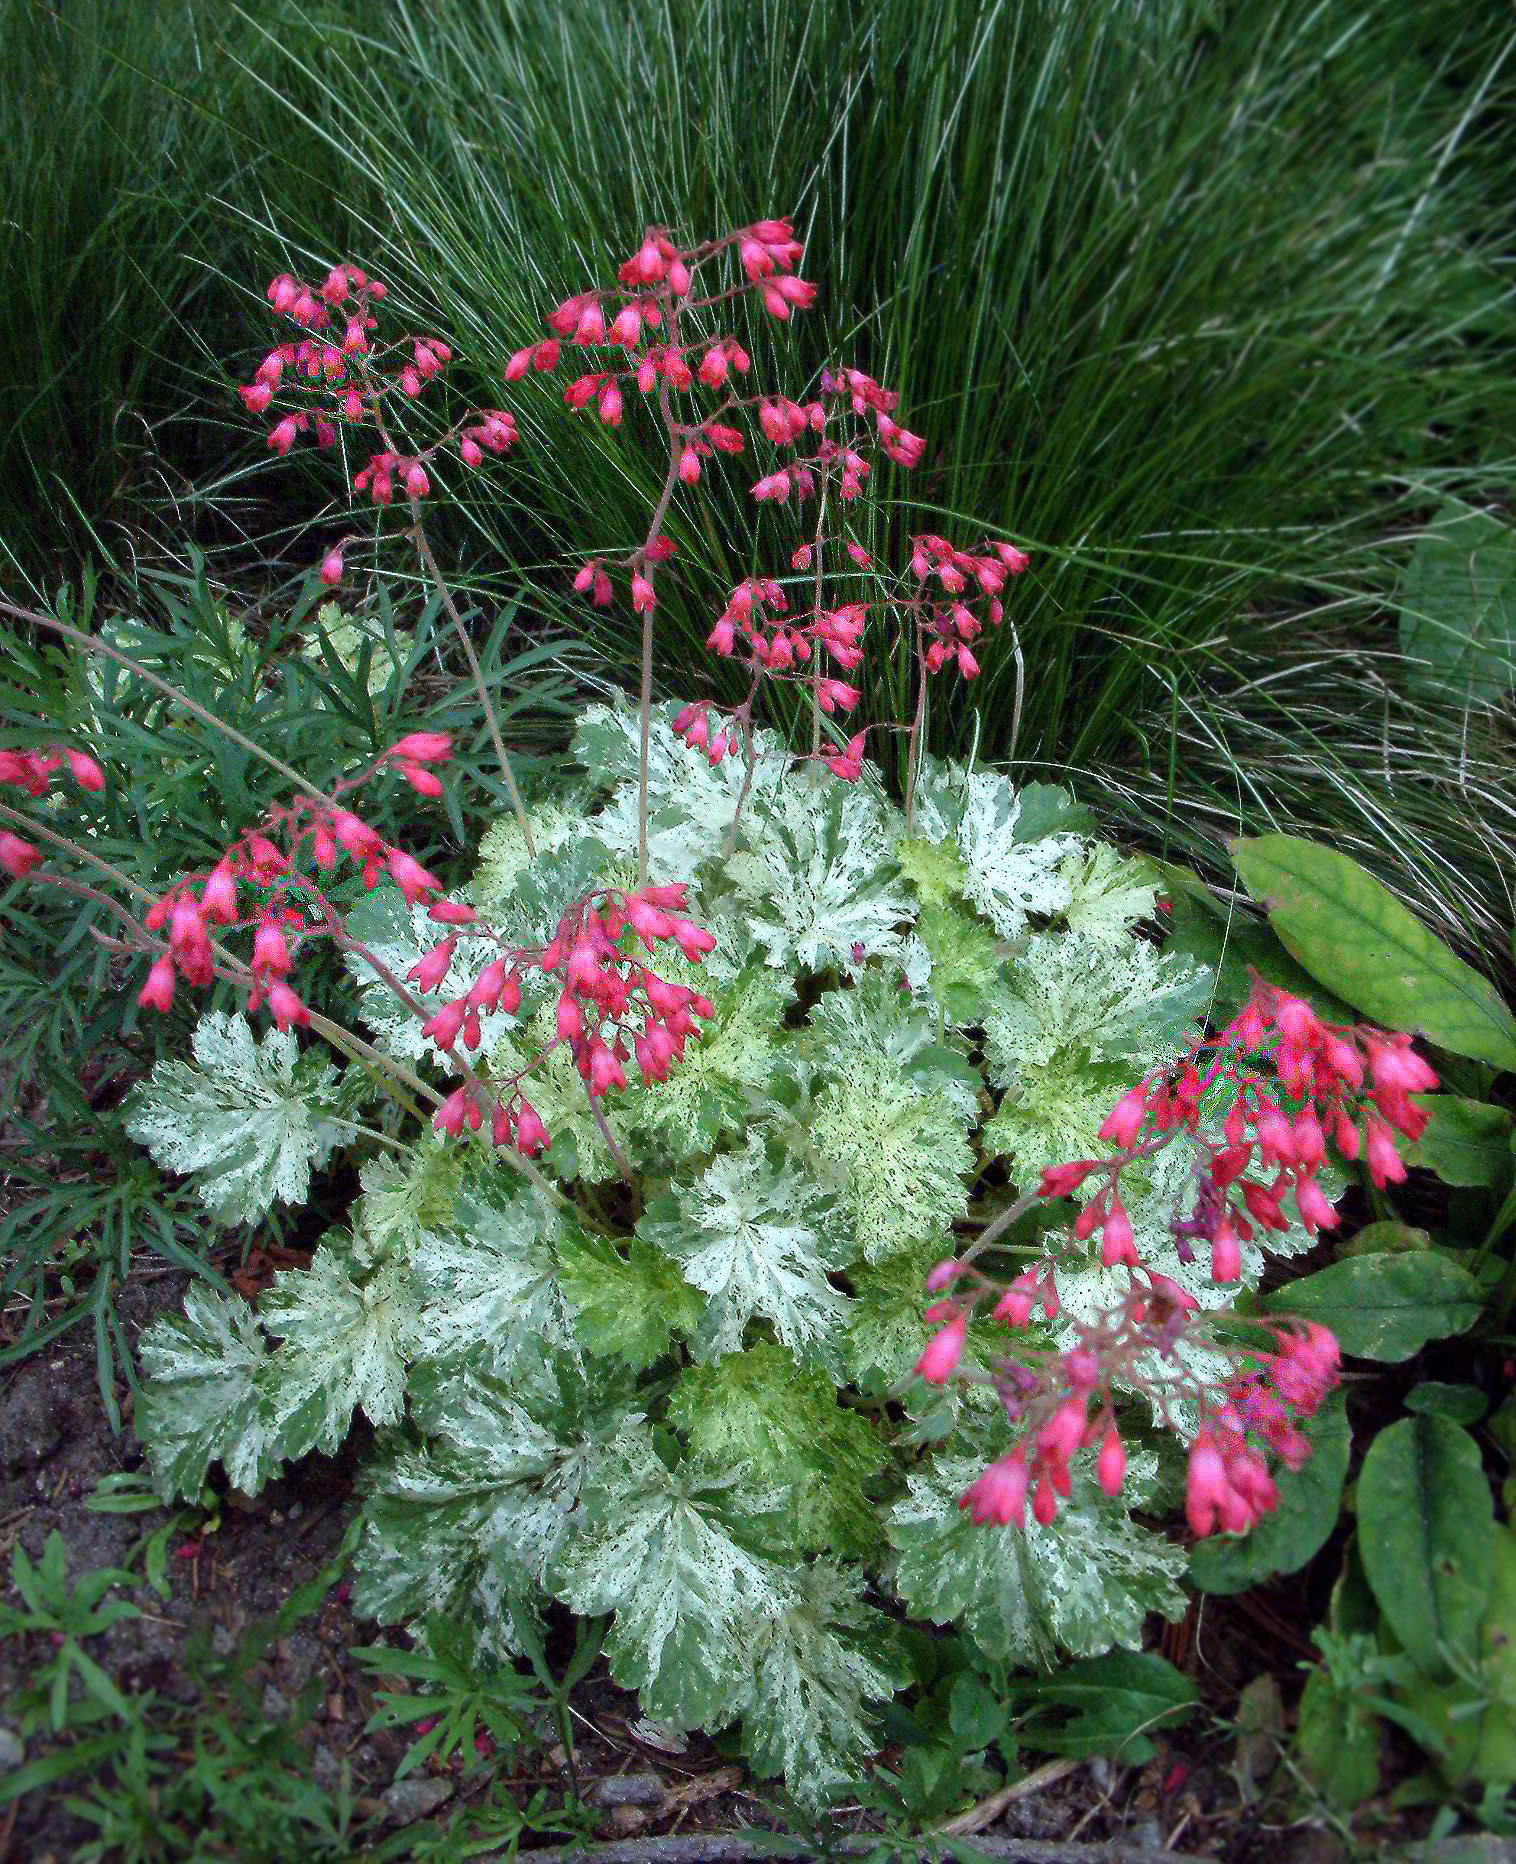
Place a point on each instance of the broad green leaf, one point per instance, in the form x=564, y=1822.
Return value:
x=759, y=1412
x=1457, y=602
x=1282, y=1542
x=1085, y=1583
x=1466, y=1142
x=818, y=890
x=659, y=1549
x=756, y=1234
x=1459, y=1404
x=816, y=1662
x=1385, y=1306
x=1353, y=934
x=247, y=1121
x=629, y=1307
x=1337, y=1744
x=1118, y=1700
x=201, y=1401
x=1426, y=1532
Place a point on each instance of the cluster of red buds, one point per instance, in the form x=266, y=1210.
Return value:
x=266, y=862
x=608, y=1000
x=32, y=771
x=956, y=587
x=1347, y=1085
x=341, y=368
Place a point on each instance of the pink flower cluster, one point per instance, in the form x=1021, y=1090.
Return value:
x=1063, y=1401
x=353, y=377
x=32, y=771
x=607, y=1000
x=259, y=864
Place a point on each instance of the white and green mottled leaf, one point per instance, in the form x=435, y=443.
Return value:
x=345, y=1344
x=490, y=1285
x=1011, y=844
x=201, y=1401
x=626, y=1307
x=450, y=1521
x=877, y=1020
x=503, y=854
x=759, y=1412
x=898, y=1156
x=658, y=1548
x=965, y=962
x=756, y=1235
x=247, y=1120
x=817, y=888
x=816, y=1663
x=1083, y=1584
x=1108, y=895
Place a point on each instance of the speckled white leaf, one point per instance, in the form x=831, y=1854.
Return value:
x=657, y=1548
x=1083, y=1584
x=1108, y=895
x=345, y=1345
x=489, y=1286
x=757, y=1236
x=448, y=1521
x=247, y=1120
x=818, y=888
x=1012, y=853
x=816, y=1663
x=201, y=1401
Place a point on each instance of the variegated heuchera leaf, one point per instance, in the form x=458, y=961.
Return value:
x=756, y=1235
x=468, y=1508
x=817, y=890
x=202, y=1401
x=247, y=1121
x=1084, y=1583
x=660, y=1549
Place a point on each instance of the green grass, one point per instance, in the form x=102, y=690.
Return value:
x=1207, y=305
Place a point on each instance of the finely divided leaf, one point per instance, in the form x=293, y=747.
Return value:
x=816, y=890
x=247, y=1120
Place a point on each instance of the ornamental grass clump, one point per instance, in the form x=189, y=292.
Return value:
x=666, y=1110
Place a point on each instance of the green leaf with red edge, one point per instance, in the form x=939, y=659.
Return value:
x=1352, y=933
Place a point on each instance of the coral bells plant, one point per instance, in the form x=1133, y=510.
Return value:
x=1295, y=1086
x=666, y=1099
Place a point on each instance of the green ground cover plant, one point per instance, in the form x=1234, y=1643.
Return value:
x=657, y=1351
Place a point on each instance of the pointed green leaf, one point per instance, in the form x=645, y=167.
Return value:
x=1353, y=934
x=1457, y=602
x=1426, y=1533
x=1466, y=1142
